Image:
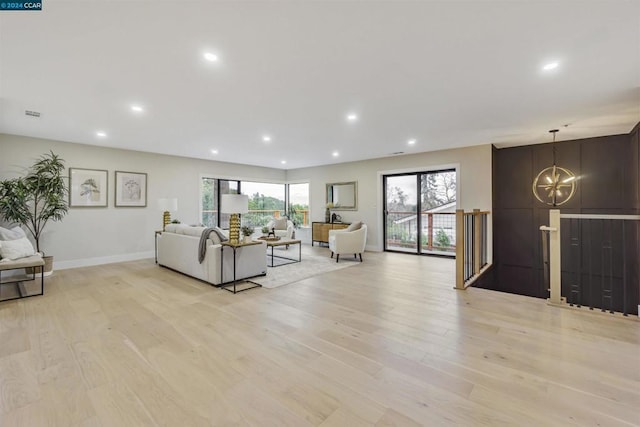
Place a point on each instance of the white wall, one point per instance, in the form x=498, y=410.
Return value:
x=88, y=236
x=474, y=183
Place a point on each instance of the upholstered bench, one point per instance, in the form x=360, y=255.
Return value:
x=18, y=264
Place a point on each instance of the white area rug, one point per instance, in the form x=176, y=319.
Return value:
x=314, y=261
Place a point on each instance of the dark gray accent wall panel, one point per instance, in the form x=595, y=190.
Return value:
x=513, y=171
x=609, y=182
x=635, y=178
x=606, y=163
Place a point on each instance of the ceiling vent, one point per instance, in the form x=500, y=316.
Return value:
x=395, y=153
x=32, y=113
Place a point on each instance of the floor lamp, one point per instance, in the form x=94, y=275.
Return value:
x=234, y=204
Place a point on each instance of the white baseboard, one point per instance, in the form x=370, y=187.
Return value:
x=372, y=248
x=88, y=262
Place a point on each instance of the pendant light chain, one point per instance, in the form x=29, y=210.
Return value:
x=553, y=144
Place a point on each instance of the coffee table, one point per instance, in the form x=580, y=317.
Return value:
x=283, y=242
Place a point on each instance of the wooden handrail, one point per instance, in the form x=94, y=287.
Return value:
x=470, y=236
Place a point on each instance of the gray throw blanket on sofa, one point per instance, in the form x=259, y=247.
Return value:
x=202, y=246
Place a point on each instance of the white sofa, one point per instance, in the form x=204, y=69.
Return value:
x=178, y=250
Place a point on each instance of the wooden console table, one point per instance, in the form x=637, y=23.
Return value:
x=320, y=230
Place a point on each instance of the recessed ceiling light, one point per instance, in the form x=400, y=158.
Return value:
x=352, y=117
x=101, y=134
x=214, y=151
x=550, y=66
x=284, y=162
x=266, y=138
x=411, y=141
x=137, y=108
x=335, y=154
x=211, y=57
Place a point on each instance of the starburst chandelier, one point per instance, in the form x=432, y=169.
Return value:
x=554, y=185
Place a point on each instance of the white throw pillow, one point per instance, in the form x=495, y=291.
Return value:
x=280, y=223
x=354, y=226
x=14, y=234
x=16, y=249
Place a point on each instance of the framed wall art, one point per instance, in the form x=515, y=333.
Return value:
x=88, y=188
x=131, y=189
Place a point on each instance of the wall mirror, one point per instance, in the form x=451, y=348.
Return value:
x=343, y=195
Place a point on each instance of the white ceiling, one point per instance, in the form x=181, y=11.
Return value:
x=449, y=74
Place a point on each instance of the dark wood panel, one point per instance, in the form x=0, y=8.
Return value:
x=603, y=182
x=518, y=280
x=514, y=175
x=516, y=238
x=635, y=171
x=608, y=169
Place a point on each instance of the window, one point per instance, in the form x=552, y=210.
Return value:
x=299, y=204
x=266, y=201
x=210, y=193
x=209, y=206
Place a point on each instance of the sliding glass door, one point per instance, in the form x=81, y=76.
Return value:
x=419, y=212
x=401, y=221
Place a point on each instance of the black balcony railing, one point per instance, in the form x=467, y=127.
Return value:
x=258, y=217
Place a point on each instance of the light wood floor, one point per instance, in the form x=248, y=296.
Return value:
x=387, y=342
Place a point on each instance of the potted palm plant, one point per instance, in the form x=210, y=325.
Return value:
x=36, y=198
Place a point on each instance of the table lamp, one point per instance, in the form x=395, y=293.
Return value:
x=167, y=205
x=234, y=204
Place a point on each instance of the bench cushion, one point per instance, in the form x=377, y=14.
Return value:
x=32, y=261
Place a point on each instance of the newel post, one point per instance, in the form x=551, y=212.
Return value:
x=459, y=249
x=555, y=262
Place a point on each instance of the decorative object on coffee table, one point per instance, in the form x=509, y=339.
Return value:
x=282, y=227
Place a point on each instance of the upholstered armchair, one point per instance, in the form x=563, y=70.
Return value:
x=283, y=227
x=350, y=240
